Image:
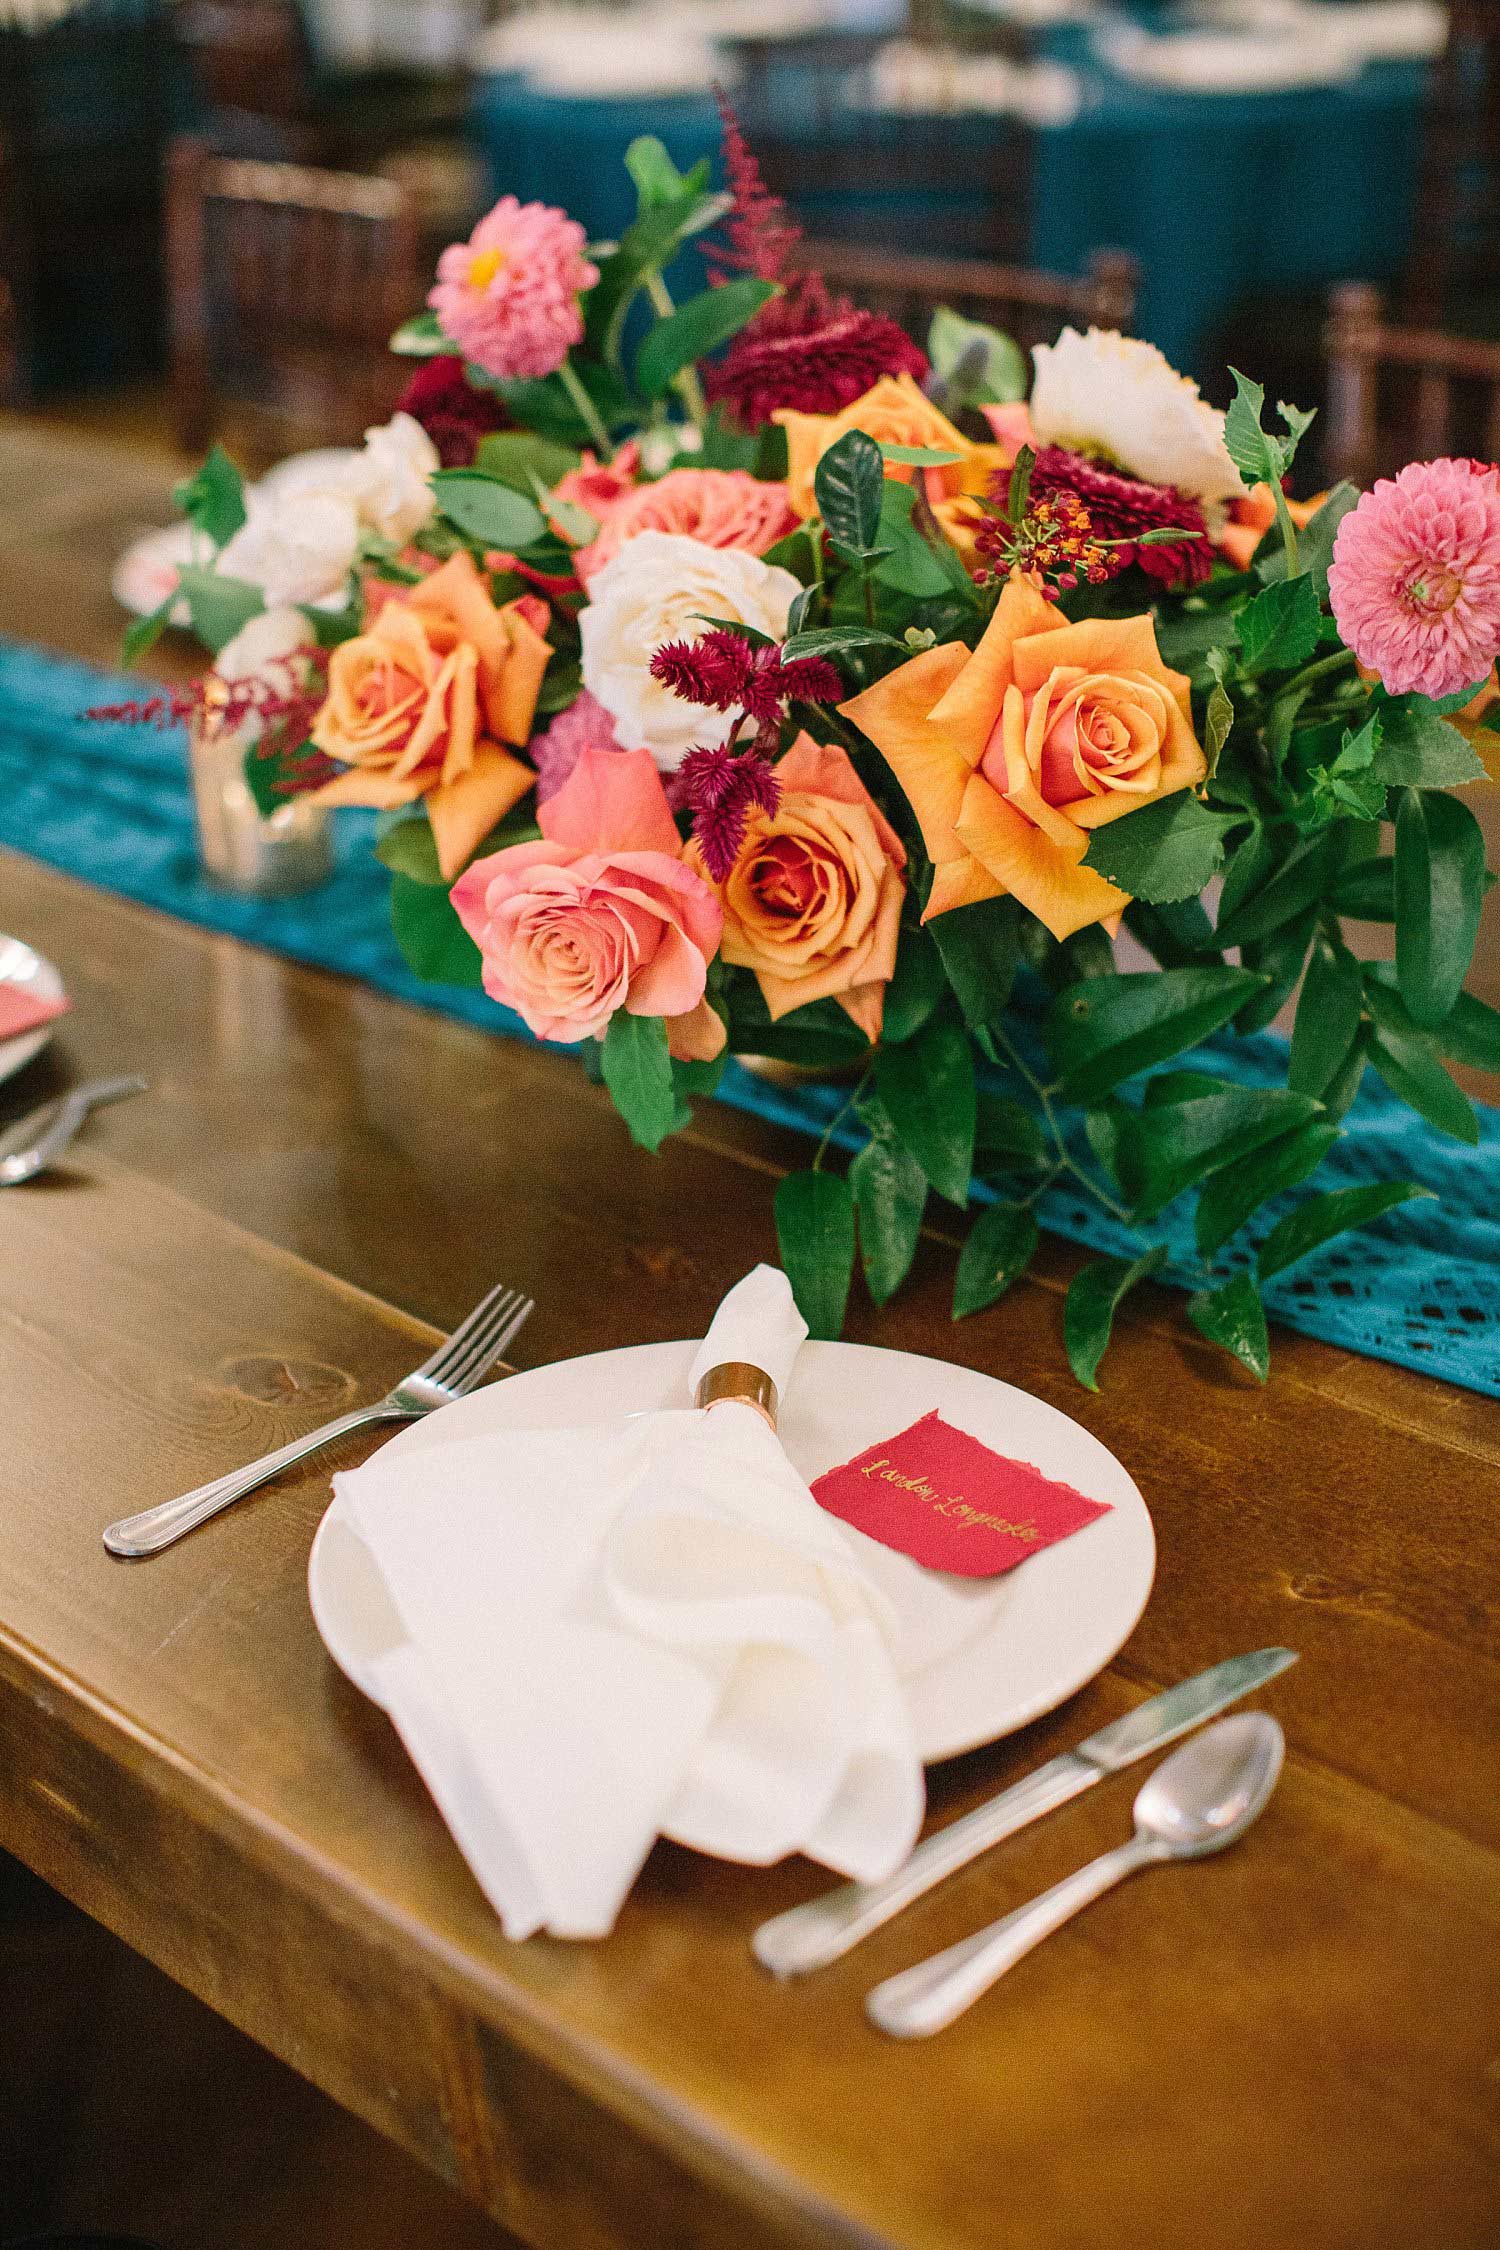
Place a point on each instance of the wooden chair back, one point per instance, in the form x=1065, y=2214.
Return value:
x=1456, y=242
x=1026, y=303
x=252, y=68
x=1400, y=394
x=284, y=285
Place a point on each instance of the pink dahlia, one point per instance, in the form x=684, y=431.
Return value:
x=1415, y=579
x=717, y=507
x=508, y=297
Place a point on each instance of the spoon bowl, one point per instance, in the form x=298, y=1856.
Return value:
x=1206, y=1794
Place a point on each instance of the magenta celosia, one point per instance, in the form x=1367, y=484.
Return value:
x=1415, y=579
x=508, y=297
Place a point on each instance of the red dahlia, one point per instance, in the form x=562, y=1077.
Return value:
x=1122, y=507
x=454, y=414
x=812, y=351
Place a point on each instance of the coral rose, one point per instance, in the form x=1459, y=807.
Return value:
x=717, y=507
x=893, y=412
x=1012, y=755
x=813, y=901
x=603, y=913
x=420, y=703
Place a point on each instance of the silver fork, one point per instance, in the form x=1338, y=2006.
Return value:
x=66, y=1117
x=455, y=1369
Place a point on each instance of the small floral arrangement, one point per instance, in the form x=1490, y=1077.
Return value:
x=740, y=677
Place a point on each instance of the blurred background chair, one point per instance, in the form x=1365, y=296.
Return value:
x=1399, y=394
x=251, y=343
x=1453, y=278
x=1025, y=303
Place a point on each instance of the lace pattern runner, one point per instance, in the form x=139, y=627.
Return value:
x=1420, y=1287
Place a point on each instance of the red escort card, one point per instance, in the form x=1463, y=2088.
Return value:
x=23, y=1011
x=951, y=1503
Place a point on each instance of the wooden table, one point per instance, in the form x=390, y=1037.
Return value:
x=1294, y=2045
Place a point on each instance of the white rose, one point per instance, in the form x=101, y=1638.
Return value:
x=267, y=648
x=1115, y=394
x=296, y=546
x=388, y=480
x=658, y=588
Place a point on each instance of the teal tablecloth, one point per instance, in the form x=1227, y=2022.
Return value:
x=111, y=804
x=1222, y=198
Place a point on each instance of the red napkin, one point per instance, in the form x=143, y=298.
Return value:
x=21, y=1010
x=952, y=1503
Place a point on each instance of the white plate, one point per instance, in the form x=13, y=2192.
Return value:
x=30, y=972
x=1006, y=1649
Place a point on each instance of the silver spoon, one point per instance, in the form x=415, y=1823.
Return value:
x=68, y=1115
x=1197, y=1801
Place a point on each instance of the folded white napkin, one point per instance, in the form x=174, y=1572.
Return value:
x=643, y=1628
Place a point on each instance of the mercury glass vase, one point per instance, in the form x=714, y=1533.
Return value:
x=242, y=849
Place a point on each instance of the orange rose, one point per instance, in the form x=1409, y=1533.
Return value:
x=813, y=902
x=893, y=412
x=1251, y=517
x=1011, y=756
x=420, y=702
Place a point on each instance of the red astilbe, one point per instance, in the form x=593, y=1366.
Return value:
x=759, y=233
x=1121, y=507
x=285, y=719
x=721, y=788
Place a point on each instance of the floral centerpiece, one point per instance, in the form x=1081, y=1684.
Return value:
x=754, y=681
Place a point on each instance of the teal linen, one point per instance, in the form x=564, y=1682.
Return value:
x=110, y=803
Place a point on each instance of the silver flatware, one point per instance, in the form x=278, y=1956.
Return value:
x=455, y=1369
x=1200, y=1800
x=810, y=1936
x=42, y=1142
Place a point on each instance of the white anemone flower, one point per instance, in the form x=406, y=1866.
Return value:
x=1117, y=395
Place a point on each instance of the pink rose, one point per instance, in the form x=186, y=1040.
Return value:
x=598, y=487
x=717, y=507
x=602, y=913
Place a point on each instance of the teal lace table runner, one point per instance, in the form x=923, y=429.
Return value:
x=111, y=804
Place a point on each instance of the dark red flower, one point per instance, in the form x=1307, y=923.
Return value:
x=759, y=232
x=726, y=672
x=453, y=413
x=721, y=788
x=810, y=350
x=1122, y=507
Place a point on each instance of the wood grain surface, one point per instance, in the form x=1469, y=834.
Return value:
x=1293, y=2044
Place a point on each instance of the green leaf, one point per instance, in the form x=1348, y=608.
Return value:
x=815, y=1229
x=1089, y=1314
x=1235, y=1317
x=1218, y=717
x=1260, y=457
x=144, y=632
x=1018, y=491
x=1314, y=541
x=1229, y=1198
x=918, y=456
x=515, y=457
x=1279, y=628
x=483, y=508
x=980, y=948
x=1296, y=884
x=545, y=403
x=214, y=499
x=1007, y=1138
x=657, y=179
x=975, y=365
x=1366, y=890
x=838, y=640
x=1349, y=1077
x=420, y=337
x=1165, y=852
x=1000, y=1246
x=849, y=486
x=219, y=607
x=1323, y=1216
x=1329, y=1011
x=697, y=328
x=1418, y=750
x=1278, y=957
x=648, y=243
x=638, y=1073
x=1105, y=1029
x=1175, y=935
x=1170, y=1147
x=928, y=1090
x=890, y=1195
x=1439, y=896
x=915, y=989
x=432, y=939
x=1411, y=1069
x=1470, y=1033
x=406, y=847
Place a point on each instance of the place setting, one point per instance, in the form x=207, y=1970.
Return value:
x=32, y=999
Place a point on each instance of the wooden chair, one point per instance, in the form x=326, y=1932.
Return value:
x=1454, y=274
x=1400, y=394
x=1030, y=305
x=285, y=283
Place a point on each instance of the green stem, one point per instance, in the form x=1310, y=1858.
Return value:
x=686, y=384
x=838, y=1117
x=1325, y=665
x=1065, y=1162
x=588, y=411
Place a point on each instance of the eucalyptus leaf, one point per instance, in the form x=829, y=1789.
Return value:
x=1234, y=1317
x=815, y=1234
x=1093, y=1297
x=997, y=1250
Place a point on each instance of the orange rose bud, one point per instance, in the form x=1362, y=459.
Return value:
x=419, y=704
x=1010, y=756
x=893, y=412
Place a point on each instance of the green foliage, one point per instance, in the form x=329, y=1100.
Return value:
x=916, y=989
x=1296, y=882
x=999, y=1247
x=143, y=633
x=1105, y=1029
x=1260, y=457
x=405, y=844
x=890, y=1194
x=697, y=328
x=815, y=1234
x=1329, y=1012
x=1234, y=1317
x=1230, y=1197
x=219, y=607
x=1171, y=1146
x=1279, y=627
x=487, y=510
x=972, y=363
x=840, y=640
x=432, y=939
x=849, y=487
x=1406, y=1057
x=213, y=500
x=1419, y=750
x=1323, y=1216
x=1007, y=1138
x=927, y=1087
x=1439, y=895
x=981, y=949
x=1314, y=541
x=1165, y=852
x=420, y=337
x=1470, y=1033
x=518, y=457
x=1093, y=1298
x=638, y=1073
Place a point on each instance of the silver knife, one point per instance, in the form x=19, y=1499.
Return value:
x=812, y=1935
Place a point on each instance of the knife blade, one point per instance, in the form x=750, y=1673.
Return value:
x=823, y=1929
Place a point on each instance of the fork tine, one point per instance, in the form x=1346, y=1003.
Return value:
x=481, y=1361
x=454, y=1346
x=474, y=1339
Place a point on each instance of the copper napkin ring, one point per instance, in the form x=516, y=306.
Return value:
x=738, y=1379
